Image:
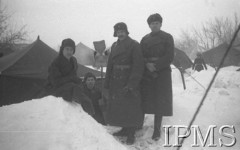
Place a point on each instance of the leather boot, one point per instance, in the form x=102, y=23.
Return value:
x=157, y=128
x=131, y=136
x=122, y=132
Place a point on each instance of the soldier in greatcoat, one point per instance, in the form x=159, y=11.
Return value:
x=158, y=53
x=124, y=72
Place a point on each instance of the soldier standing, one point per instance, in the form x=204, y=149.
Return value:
x=124, y=72
x=158, y=53
x=199, y=63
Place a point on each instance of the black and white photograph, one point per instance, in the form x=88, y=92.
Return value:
x=119, y=75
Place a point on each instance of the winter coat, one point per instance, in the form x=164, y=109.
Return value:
x=198, y=64
x=124, y=71
x=95, y=95
x=63, y=82
x=156, y=87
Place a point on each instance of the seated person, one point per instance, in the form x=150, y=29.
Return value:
x=95, y=95
x=63, y=81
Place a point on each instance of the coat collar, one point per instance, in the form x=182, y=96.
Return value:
x=63, y=61
x=123, y=41
x=119, y=47
x=155, y=33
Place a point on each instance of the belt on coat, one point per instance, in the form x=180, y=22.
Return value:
x=151, y=59
x=121, y=67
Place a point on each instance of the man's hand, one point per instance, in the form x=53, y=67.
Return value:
x=151, y=67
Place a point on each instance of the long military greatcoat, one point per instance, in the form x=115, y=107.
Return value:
x=156, y=87
x=124, y=69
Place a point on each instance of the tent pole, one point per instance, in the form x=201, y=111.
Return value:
x=183, y=80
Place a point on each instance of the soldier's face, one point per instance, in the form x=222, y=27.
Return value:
x=68, y=52
x=90, y=82
x=155, y=26
x=121, y=34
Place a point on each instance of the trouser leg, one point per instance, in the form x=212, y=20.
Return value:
x=98, y=116
x=131, y=135
x=79, y=97
x=157, y=127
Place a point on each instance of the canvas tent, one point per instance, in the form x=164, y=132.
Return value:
x=84, y=55
x=181, y=60
x=24, y=72
x=6, y=49
x=213, y=56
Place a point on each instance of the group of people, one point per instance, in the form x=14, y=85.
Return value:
x=64, y=82
x=137, y=82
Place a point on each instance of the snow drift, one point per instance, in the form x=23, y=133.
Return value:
x=52, y=124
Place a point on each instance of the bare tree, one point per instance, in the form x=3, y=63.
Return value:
x=187, y=43
x=211, y=34
x=8, y=34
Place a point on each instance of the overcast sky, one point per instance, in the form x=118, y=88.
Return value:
x=93, y=20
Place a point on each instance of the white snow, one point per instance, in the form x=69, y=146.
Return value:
x=54, y=124
x=51, y=124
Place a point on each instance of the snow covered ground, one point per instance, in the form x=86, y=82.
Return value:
x=52, y=124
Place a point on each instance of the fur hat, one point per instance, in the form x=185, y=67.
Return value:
x=153, y=18
x=68, y=42
x=120, y=26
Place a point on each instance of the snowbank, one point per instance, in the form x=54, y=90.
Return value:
x=52, y=124
x=227, y=77
x=221, y=107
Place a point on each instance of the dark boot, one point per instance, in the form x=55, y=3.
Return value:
x=122, y=132
x=157, y=128
x=131, y=136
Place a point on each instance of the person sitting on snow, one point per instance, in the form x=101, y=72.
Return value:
x=63, y=80
x=199, y=63
x=95, y=95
